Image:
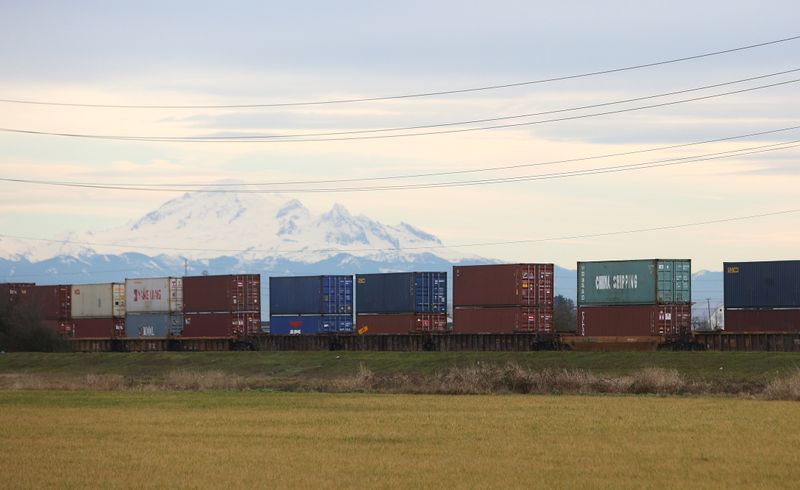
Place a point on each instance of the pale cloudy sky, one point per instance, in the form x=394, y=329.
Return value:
x=212, y=53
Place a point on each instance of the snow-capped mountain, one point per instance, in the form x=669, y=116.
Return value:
x=247, y=227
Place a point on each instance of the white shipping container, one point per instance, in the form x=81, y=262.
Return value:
x=154, y=295
x=105, y=300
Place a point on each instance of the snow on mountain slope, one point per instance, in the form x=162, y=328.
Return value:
x=245, y=226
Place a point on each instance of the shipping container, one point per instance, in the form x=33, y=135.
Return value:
x=378, y=323
x=105, y=300
x=402, y=292
x=98, y=327
x=773, y=284
x=511, y=319
x=226, y=293
x=10, y=292
x=311, y=295
x=153, y=324
x=310, y=324
x=503, y=285
x=634, y=282
x=154, y=295
x=61, y=327
x=221, y=324
x=767, y=320
x=46, y=302
x=634, y=320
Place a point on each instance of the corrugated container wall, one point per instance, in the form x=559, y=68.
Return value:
x=224, y=293
x=154, y=295
x=98, y=327
x=221, y=324
x=513, y=319
x=755, y=321
x=402, y=292
x=48, y=302
x=309, y=324
x=105, y=300
x=503, y=285
x=762, y=284
x=153, y=325
x=634, y=320
x=311, y=295
x=401, y=323
x=634, y=282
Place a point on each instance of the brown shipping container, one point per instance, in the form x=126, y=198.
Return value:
x=61, y=327
x=11, y=291
x=50, y=302
x=402, y=323
x=98, y=328
x=633, y=320
x=515, y=319
x=503, y=285
x=222, y=293
x=221, y=324
x=753, y=321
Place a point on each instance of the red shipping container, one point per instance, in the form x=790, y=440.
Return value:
x=226, y=293
x=402, y=323
x=50, y=302
x=752, y=321
x=633, y=320
x=221, y=324
x=503, y=285
x=515, y=319
x=104, y=328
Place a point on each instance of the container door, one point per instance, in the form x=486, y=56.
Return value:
x=666, y=281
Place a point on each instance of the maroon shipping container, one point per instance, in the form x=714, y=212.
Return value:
x=11, y=291
x=226, y=293
x=752, y=321
x=98, y=328
x=50, y=302
x=61, y=327
x=514, y=319
x=633, y=320
x=221, y=324
x=402, y=323
x=503, y=285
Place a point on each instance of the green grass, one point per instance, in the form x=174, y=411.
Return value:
x=710, y=366
x=290, y=440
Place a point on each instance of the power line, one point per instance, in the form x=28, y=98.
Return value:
x=431, y=185
x=412, y=95
x=429, y=247
x=419, y=175
x=270, y=138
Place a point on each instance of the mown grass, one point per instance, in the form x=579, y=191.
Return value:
x=292, y=440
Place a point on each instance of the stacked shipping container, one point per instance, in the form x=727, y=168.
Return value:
x=49, y=304
x=507, y=298
x=762, y=296
x=221, y=306
x=311, y=304
x=634, y=298
x=154, y=307
x=98, y=310
x=401, y=302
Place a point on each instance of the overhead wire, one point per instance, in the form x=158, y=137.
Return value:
x=429, y=185
x=426, y=247
x=426, y=174
x=275, y=139
x=411, y=95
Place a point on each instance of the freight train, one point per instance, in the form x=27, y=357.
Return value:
x=622, y=305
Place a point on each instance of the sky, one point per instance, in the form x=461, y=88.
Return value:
x=242, y=53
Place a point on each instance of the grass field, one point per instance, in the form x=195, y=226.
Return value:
x=309, y=440
x=738, y=366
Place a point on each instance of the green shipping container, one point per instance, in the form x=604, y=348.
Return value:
x=634, y=282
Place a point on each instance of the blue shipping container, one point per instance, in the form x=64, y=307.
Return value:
x=402, y=292
x=762, y=284
x=311, y=295
x=153, y=325
x=311, y=324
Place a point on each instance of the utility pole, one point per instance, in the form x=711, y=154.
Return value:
x=185, y=267
x=708, y=322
